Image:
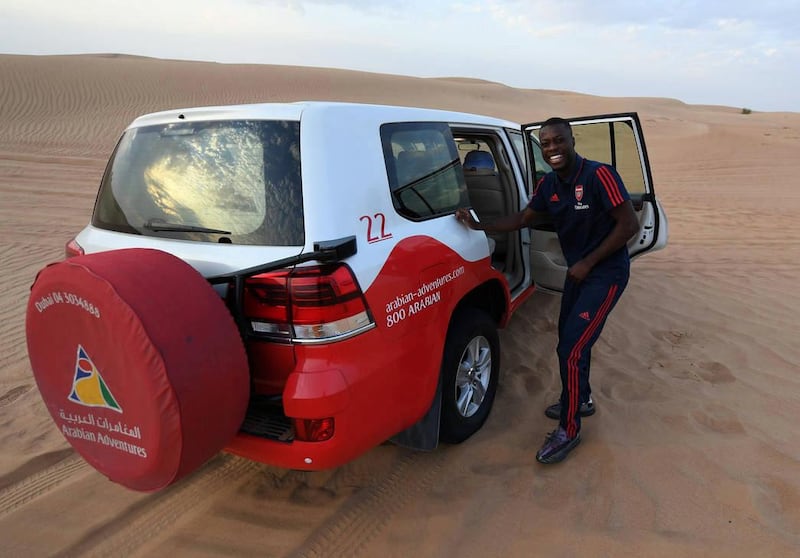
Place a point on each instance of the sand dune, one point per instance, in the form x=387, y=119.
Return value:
x=694, y=451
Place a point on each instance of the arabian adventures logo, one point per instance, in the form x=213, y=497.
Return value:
x=88, y=387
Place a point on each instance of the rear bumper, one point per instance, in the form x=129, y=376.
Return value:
x=308, y=395
x=366, y=392
x=305, y=456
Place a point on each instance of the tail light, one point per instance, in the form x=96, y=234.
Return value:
x=73, y=249
x=313, y=430
x=308, y=304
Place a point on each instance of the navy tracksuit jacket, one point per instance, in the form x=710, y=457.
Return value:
x=580, y=209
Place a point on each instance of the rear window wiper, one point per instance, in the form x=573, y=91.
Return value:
x=159, y=225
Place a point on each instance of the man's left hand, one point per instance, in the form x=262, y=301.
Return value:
x=579, y=271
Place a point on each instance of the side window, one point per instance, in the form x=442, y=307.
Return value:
x=613, y=143
x=540, y=168
x=467, y=145
x=519, y=149
x=423, y=168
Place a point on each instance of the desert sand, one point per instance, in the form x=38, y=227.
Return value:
x=694, y=450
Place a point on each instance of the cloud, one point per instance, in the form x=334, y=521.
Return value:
x=694, y=50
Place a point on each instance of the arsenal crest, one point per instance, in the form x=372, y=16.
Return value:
x=579, y=192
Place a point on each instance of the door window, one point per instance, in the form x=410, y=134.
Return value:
x=540, y=168
x=423, y=168
x=613, y=143
x=518, y=143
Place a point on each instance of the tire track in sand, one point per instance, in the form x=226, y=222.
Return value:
x=38, y=484
x=365, y=513
x=144, y=522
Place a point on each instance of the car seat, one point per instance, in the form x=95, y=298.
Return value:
x=486, y=193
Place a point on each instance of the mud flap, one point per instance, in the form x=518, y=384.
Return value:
x=423, y=434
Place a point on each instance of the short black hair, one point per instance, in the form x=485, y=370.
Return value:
x=557, y=121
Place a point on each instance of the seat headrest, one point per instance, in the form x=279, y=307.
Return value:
x=479, y=160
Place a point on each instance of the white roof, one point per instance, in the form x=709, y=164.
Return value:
x=325, y=109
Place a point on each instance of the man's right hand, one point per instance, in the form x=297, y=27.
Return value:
x=503, y=224
x=464, y=216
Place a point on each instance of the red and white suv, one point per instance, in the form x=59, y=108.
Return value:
x=331, y=301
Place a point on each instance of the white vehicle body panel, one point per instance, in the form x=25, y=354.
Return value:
x=344, y=171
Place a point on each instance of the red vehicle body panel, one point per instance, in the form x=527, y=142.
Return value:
x=382, y=381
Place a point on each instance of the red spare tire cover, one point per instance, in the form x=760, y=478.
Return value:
x=139, y=362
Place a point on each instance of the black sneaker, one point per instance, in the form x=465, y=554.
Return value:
x=554, y=410
x=557, y=446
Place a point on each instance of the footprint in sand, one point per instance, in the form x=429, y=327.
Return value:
x=778, y=502
x=674, y=337
x=718, y=420
x=622, y=386
x=715, y=372
x=13, y=394
x=711, y=372
x=533, y=384
x=543, y=325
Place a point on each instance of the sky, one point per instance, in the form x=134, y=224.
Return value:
x=739, y=53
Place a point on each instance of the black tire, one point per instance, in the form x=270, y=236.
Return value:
x=468, y=391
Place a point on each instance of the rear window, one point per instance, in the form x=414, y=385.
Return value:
x=224, y=181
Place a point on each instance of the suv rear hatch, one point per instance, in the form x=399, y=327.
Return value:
x=226, y=197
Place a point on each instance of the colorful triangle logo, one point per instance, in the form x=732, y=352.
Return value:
x=88, y=387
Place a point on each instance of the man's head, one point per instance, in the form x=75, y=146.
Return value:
x=558, y=144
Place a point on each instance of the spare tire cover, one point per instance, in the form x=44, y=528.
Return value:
x=139, y=362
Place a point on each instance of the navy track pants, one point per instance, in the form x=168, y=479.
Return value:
x=584, y=309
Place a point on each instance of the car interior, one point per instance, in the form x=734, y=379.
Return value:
x=493, y=193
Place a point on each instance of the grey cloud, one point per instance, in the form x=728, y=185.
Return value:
x=771, y=16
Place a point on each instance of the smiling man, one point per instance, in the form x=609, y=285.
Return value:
x=594, y=219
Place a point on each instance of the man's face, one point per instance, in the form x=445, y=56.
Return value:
x=558, y=146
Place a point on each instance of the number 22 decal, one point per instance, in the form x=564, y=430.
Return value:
x=374, y=220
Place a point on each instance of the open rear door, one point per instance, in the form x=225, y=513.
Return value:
x=615, y=139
